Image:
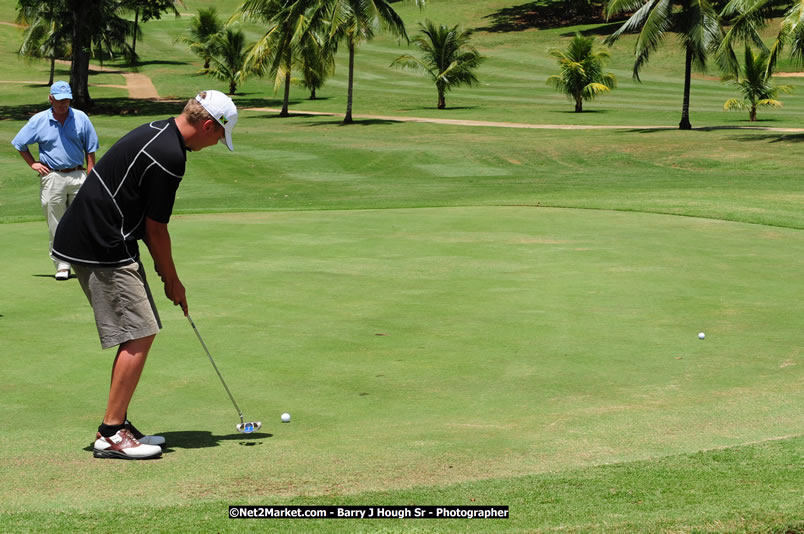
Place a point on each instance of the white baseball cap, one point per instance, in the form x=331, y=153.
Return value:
x=222, y=110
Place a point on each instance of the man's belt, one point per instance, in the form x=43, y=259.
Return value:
x=76, y=168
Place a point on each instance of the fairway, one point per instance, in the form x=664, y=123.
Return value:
x=413, y=347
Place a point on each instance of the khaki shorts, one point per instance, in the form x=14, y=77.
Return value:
x=122, y=302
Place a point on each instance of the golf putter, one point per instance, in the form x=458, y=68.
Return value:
x=244, y=427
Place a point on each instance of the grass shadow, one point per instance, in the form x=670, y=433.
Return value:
x=200, y=439
x=771, y=138
x=434, y=108
x=22, y=112
x=573, y=112
x=337, y=121
x=598, y=31
x=542, y=14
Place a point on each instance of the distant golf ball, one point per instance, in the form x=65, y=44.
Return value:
x=286, y=417
x=701, y=335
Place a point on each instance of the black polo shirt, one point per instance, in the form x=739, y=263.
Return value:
x=136, y=178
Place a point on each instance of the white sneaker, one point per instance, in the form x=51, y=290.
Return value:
x=142, y=438
x=123, y=445
x=62, y=274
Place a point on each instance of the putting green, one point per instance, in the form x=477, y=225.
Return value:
x=412, y=347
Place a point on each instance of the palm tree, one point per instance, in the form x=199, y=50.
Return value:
x=203, y=29
x=694, y=21
x=581, y=76
x=291, y=27
x=447, y=58
x=110, y=34
x=228, y=62
x=144, y=10
x=317, y=60
x=356, y=21
x=755, y=85
x=747, y=17
x=47, y=32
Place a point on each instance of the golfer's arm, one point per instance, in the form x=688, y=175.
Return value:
x=90, y=161
x=157, y=238
x=28, y=157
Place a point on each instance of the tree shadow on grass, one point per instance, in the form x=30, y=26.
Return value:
x=598, y=31
x=541, y=14
x=130, y=106
x=435, y=108
x=355, y=122
x=582, y=113
x=771, y=138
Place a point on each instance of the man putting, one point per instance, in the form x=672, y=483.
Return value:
x=129, y=196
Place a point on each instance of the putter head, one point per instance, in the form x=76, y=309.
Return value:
x=248, y=428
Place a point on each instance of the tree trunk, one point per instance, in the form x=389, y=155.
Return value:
x=348, y=118
x=442, y=102
x=753, y=113
x=52, y=68
x=134, y=42
x=79, y=69
x=285, y=112
x=578, y=105
x=232, y=87
x=685, y=106
x=312, y=93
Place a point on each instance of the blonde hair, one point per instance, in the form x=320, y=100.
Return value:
x=195, y=112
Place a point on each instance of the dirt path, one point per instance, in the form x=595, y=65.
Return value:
x=138, y=85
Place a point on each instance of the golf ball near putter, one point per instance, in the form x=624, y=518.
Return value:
x=286, y=417
x=701, y=335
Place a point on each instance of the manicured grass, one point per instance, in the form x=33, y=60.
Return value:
x=314, y=163
x=634, y=497
x=418, y=347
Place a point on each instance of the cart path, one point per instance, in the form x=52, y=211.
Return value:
x=462, y=122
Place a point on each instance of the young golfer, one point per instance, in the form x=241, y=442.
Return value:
x=128, y=197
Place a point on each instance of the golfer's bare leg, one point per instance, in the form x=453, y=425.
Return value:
x=126, y=373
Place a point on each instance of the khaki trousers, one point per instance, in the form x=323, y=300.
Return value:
x=56, y=192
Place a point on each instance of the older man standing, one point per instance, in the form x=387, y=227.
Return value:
x=66, y=138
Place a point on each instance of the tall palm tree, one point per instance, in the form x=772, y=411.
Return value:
x=145, y=10
x=317, y=62
x=746, y=18
x=291, y=25
x=203, y=29
x=755, y=85
x=582, y=77
x=694, y=21
x=357, y=21
x=228, y=63
x=47, y=32
x=447, y=58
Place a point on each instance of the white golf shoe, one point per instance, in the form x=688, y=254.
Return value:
x=125, y=446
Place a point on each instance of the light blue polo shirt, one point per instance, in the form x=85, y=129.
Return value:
x=60, y=146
